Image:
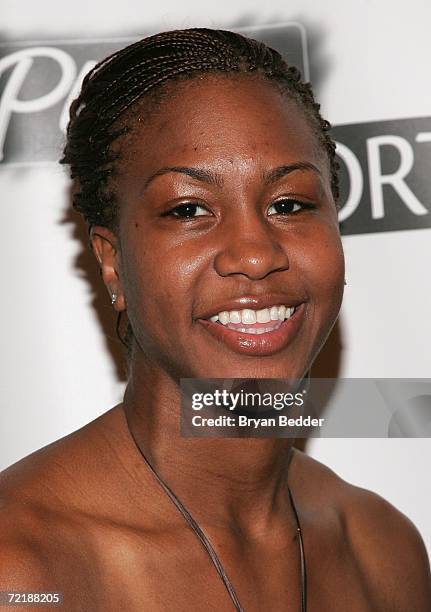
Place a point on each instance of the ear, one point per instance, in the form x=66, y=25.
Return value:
x=105, y=247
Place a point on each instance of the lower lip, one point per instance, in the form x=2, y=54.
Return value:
x=260, y=345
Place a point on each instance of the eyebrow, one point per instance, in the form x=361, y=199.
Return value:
x=212, y=178
x=277, y=173
x=205, y=176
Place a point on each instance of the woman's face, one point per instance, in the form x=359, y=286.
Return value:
x=228, y=226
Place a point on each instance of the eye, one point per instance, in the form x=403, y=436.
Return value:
x=188, y=210
x=287, y=206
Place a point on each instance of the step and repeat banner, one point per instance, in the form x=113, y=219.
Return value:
x=368, y=63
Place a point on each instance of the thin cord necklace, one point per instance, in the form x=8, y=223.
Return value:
x=207, y=544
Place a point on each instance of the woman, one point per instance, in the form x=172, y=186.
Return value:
x=208, y=181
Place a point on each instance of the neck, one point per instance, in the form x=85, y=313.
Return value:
x=240, y=483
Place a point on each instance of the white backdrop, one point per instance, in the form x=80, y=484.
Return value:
x=56, y=371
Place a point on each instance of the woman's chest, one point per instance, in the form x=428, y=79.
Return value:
x=179, y=575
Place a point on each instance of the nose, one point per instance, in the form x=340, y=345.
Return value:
x=250, y=248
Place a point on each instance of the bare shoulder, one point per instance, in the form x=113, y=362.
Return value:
x=58, y=471
x=37, y=557
x=388, y=549
x=22, y=565
x=49, y=502
x=26, y=537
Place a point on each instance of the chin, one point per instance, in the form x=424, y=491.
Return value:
x=273, y=367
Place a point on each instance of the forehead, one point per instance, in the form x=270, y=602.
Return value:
x=222, y=119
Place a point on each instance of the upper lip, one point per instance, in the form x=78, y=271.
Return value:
x=255, y=302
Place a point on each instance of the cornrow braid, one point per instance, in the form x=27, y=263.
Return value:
x=141, y=69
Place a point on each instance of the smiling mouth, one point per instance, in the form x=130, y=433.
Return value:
x=256, y=332
x=249, y=321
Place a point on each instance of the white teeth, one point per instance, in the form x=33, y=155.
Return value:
x=248, y=316
x=235, y=316
x=274, y=313
x=223, y=317
x=255, y=330
x=263, y=316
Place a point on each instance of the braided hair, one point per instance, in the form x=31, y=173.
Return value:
x=117, y=83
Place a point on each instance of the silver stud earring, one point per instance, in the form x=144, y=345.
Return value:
x=345, y=282
x=113, y=298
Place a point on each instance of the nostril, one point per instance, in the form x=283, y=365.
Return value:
x=251, y=260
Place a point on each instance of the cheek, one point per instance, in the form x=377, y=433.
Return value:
x=157, y=280
x=322, y=263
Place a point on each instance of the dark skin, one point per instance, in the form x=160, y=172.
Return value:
x=85, y=516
